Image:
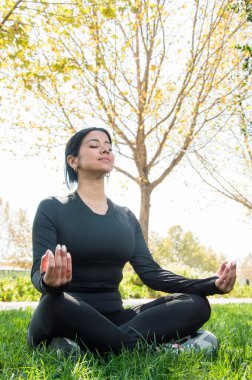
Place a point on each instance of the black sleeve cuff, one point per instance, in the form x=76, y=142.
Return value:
x=50, y=290
x=212, y=288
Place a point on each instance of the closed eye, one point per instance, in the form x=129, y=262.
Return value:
x=97, y=146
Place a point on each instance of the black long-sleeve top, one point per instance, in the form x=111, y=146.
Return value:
x=100, y=245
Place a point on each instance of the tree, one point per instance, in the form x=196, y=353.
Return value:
x=183, y=248
x=196, y=255
x=245, y=6
x=15, y=239
x=7, y=12
x=110, y=63
x=232, y=177
x=245, y=272
x=14, y=31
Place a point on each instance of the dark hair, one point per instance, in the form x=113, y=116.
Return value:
x=73, y=147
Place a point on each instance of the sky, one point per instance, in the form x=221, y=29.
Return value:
x=181, y=200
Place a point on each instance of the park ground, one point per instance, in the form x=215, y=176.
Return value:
x=231, y=323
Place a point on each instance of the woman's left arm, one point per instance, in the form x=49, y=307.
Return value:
x=161, y=279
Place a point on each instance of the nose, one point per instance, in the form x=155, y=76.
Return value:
x=105, y=149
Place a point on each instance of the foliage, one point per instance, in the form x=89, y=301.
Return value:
x=239, y=291
x=217, y=170
x=18, y=289
x=230, y=323
x=13, y=30
x=245, y=268
x=245, y=6
x=133, y=287
x=15, y=239
x=155, y=73
x=185, y=249
x=12, y=274
x=21, y=288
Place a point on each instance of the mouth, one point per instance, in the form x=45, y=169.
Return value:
x=105, y=159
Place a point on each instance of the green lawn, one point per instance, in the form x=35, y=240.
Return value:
x=231, y=323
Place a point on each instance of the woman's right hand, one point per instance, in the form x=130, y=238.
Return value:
x=57, y=268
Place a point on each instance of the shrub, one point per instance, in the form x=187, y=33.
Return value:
x=18, y=289
x=21, y=289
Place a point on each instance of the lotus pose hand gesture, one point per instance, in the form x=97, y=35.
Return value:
x=226, y=277
x=57, y=268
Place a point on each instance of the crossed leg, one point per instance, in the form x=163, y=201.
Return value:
x=160, y=321
x=169, y=317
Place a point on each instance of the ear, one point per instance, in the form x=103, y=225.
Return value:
x=71, y=160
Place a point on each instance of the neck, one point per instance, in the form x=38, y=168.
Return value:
x=92, y=190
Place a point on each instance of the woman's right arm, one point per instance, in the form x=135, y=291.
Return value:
x=50, y=273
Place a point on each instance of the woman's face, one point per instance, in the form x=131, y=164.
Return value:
x=95, y=153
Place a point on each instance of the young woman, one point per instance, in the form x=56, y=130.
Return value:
x=81, y=243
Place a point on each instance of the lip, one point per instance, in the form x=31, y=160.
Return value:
x=105, y=159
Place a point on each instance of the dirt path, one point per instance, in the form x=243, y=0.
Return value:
x=129, y=302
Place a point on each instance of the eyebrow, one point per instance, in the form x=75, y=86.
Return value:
x=97, y=140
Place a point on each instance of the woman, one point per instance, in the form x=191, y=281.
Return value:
x=80, y=298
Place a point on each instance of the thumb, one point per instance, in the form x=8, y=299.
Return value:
x=44, y=261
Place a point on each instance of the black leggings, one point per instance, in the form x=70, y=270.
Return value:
x=161, y=320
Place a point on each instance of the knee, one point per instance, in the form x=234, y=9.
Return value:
x=202, y=308
x=45, y=319
x=53, y=302
x=29, y=339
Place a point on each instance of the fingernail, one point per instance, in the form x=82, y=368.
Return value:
x=68, y=255
x=58, y=246
x=64, y=248
x=234, y=263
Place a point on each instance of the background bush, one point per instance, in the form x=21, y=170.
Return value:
x=20, y=288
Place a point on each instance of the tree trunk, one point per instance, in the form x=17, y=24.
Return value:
x=145, y=189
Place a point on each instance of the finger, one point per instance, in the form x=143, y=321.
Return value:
x=69, y=268
x=227, y=280
x=63, y=263
x=58, y=263
x=49, y=275
x=232, y=282
x=233, y=265
x=223, y=267
x=230, y=278
x=228, y=285
x=224, y=274
x=233, y=269
x=220, y=282
x=44, y=262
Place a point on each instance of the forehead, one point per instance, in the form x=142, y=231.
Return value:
x=96, y=135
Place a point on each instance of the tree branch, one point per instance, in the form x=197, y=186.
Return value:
x=9, y=14
x=127, y=174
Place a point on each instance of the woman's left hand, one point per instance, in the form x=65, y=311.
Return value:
x=227, y=277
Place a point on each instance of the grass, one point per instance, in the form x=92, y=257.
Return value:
x=231, y=323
